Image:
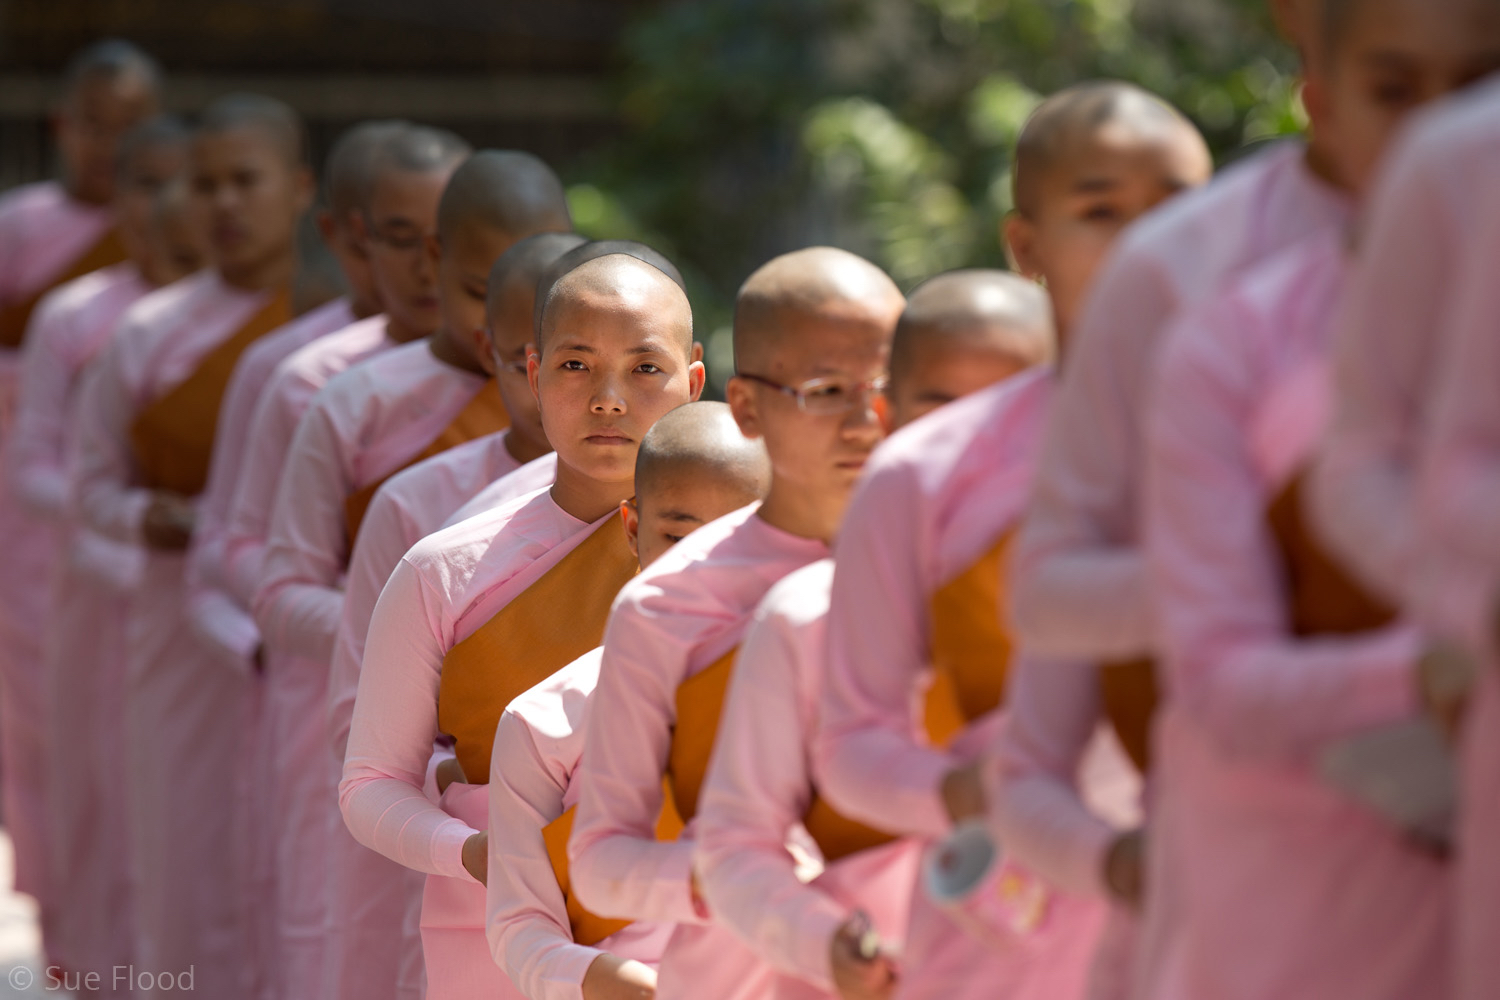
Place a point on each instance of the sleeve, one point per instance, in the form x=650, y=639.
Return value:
x=108, y=498
x=383, y=540
x=299, y=602
x=1036, y=805
x=1079, y=575
x=36, y=456
x=869, y=759
x=392, y=734
x=758, y=788
x=1257, y=691
x=619, y=869
x=1364, y=482
x=526, y=919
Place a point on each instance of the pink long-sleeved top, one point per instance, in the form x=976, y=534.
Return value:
x=217, y=617
x=1285, y=887
x=364, y=424
x=758, y=789
x=1079, y=578
x=415, y=503
x=538, y=744
x=681, y=615
x=285, y=399
x=449, y=585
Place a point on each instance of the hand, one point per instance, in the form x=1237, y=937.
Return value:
x=167, y=525
x=449, y=772
x=477, y=857
x=1445, y=675
x=611, y=977
x=860, y=970
x=963, y=793
x=1125, y=868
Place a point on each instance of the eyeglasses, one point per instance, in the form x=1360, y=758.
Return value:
x=822, y=397
x=401, y=241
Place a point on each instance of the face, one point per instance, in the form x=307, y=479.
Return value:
x=821, y=454
x=250, y=196
x=1092, y=192
x=1392, y=57
x=938, y=373
x=674, y=507
x=341, y=236
x=506, y=348
x=394, y=232
x=463, y=269
x=89, y=126
x=139, y=184
x=611, y=364
x=177, y=242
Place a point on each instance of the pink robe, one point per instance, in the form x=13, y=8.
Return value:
x=682, y=614
x=235, y=570
x=1079, y=587
x=443, y=590
x=42, y=231
x=365, y=424
x=538, y=744
x=184, y=715
x=1283, y=887
x=82, y=742
x=759, y=787
x=368, y=894
x=936, y=497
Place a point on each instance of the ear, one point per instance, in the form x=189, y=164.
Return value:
x=484, y=350
x=884, y=413
x=307, y=189
x=1315, y=98
x=740, y=395
x=1018, y=234
x=534, y=371
x=697, y=355
x=632, y=519
x=434, y=247
x=697, y=377
x=327, y=228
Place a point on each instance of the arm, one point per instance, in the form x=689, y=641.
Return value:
x=618, y=867
x=526, y=919
x=1079, y=579
x=1035, y=804
x=108, y=498
x=299, y=602
x=391, y=736
x=1256, y=690
x=757, y=790
x=36, y=456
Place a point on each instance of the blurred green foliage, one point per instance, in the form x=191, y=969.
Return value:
x=886, y=126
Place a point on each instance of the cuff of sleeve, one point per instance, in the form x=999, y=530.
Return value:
x=226, y=627
x=448, y=850
x=811, y=943
x=1389, y=691
x=568, y=964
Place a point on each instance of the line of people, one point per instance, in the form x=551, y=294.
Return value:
x=1106, y=629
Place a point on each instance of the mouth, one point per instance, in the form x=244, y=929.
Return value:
x=853, y=464
x=426, y=302
x=609, y=439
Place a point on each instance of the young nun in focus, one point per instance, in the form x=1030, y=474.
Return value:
x=375, y=419
x=914, y=606
x=368, y=893
x=812, y=337
x=147, y=430
x=694, y=466
x=1275, y=652
x=480, y=612
x=959, y=333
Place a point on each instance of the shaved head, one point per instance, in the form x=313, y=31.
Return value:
x=111, y=59
x=417, y=149
x=702, y=441
x=1064, y=123
x=592, y=251
x=349, y=174
x=820, y=283
x=993, y=309
x=160, y=132
x=621, y=274
x=524, y=266
x=513, y=192
x=273, y=119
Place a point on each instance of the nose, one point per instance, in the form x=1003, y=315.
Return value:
x=862, y=419
x=608, y=399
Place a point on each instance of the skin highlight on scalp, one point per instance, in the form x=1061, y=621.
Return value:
x=505, y=190
x=982, y=309
x=702, y=438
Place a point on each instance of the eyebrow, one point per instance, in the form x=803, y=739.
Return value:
x=582, y=348
x=1091, y=185
x=680, y=515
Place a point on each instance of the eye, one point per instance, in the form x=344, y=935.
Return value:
x=1101, y=213
x=674, y=539
x=574, y=365
x=649, y=369
x=826, y=391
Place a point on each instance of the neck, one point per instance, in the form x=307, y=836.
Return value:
x=1321, y=165
x=446, y=351
x=84, y=199
x=523, y=448
x=801, y=512
x=586, y=498
x=274, y=273
x=362, y=307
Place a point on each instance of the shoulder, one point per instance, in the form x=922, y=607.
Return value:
x=449, y=558
x=799, y=598
x=555, y=708
x=21, y=204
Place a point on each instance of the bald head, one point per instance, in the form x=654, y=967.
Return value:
x=820, y=284
x=591, y=251
x=616, y=281
x=162, y=132
x=978, y=309
x=515, y=276
x=274, y=120
x=349, y=173
x=701, y=440
x=417, y=149
x=112, y=59
x=504, y=190
x=1067, y=121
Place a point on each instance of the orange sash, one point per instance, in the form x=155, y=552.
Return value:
x=14, y=316
x=588, y=929
x=173, y=436
x=1128, y=694
x=700, y=703
x=971, y=648
x=484, y=414
x=547, y=626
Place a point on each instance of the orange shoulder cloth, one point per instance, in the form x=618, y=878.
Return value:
x=14, y=316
